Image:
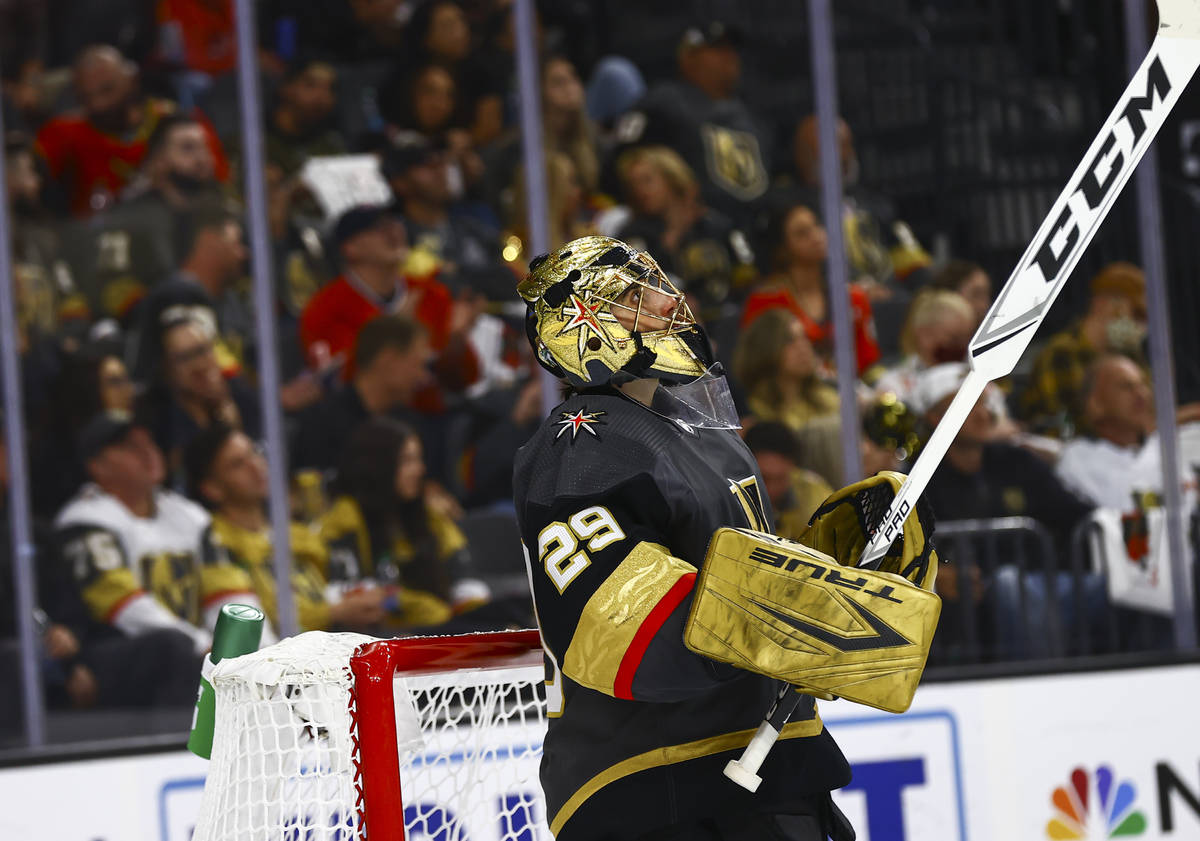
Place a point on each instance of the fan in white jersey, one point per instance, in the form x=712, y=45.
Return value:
x=135, y=548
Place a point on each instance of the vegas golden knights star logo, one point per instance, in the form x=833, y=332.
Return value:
x=573, y=422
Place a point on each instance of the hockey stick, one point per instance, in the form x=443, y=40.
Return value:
x=1013, y=319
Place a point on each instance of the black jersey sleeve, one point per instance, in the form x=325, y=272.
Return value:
x=612, y=597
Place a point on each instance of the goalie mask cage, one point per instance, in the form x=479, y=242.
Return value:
x=336, y=737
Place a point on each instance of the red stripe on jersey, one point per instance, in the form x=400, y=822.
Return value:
x=623, y=684
x=119, y=606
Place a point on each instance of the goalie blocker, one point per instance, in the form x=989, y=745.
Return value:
x=782, y=609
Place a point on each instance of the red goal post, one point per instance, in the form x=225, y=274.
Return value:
x=340, y=737
x=374, y=737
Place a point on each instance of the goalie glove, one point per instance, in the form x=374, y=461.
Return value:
x=842, y=526
x=785, y=610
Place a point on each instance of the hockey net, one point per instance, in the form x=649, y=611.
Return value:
x=335, y=737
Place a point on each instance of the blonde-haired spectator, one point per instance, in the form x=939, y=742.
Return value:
x=701, y=247
x=937, y=329
x=637, y=167
x=968, y=279
x=566, y=208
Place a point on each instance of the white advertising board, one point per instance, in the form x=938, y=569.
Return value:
x=137, y=798
x=1084, y=756
x=1092, y=756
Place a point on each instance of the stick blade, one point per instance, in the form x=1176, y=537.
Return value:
x=1179, y=18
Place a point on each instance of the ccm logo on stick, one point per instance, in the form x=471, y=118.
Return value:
x=1095, y=186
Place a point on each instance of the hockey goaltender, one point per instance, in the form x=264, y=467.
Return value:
x=668, y=611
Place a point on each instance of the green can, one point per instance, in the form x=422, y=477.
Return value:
x=238, y=632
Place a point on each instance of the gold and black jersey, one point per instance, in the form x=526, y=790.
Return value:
x=727, y=148
x=251, y=551
x=616, y=507
x=423, y=580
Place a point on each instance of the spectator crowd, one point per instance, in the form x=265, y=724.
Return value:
x=397, y=231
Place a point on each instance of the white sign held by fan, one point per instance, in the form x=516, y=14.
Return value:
x=343, y=181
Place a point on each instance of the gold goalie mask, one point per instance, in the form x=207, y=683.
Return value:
x=792, y=612
x=601, y=311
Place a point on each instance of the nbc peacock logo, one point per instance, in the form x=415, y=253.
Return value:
x=1090, y=807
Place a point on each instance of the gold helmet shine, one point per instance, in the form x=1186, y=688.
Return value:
x=600, y=309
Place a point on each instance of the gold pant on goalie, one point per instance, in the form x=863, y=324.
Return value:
x=785, y=610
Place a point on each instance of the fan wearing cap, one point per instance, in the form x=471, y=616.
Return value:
x=617, y=495
x=84, y=665
x=700, y=116
x=372, y=244
x=1115, y=322
x=135, y=547
x=465, y=252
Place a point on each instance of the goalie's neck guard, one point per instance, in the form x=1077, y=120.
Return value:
x=703, y=403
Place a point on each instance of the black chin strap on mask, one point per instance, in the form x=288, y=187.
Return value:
x=641, y=362
x=697, y=341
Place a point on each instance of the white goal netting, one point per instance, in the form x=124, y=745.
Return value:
x=284, y=767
